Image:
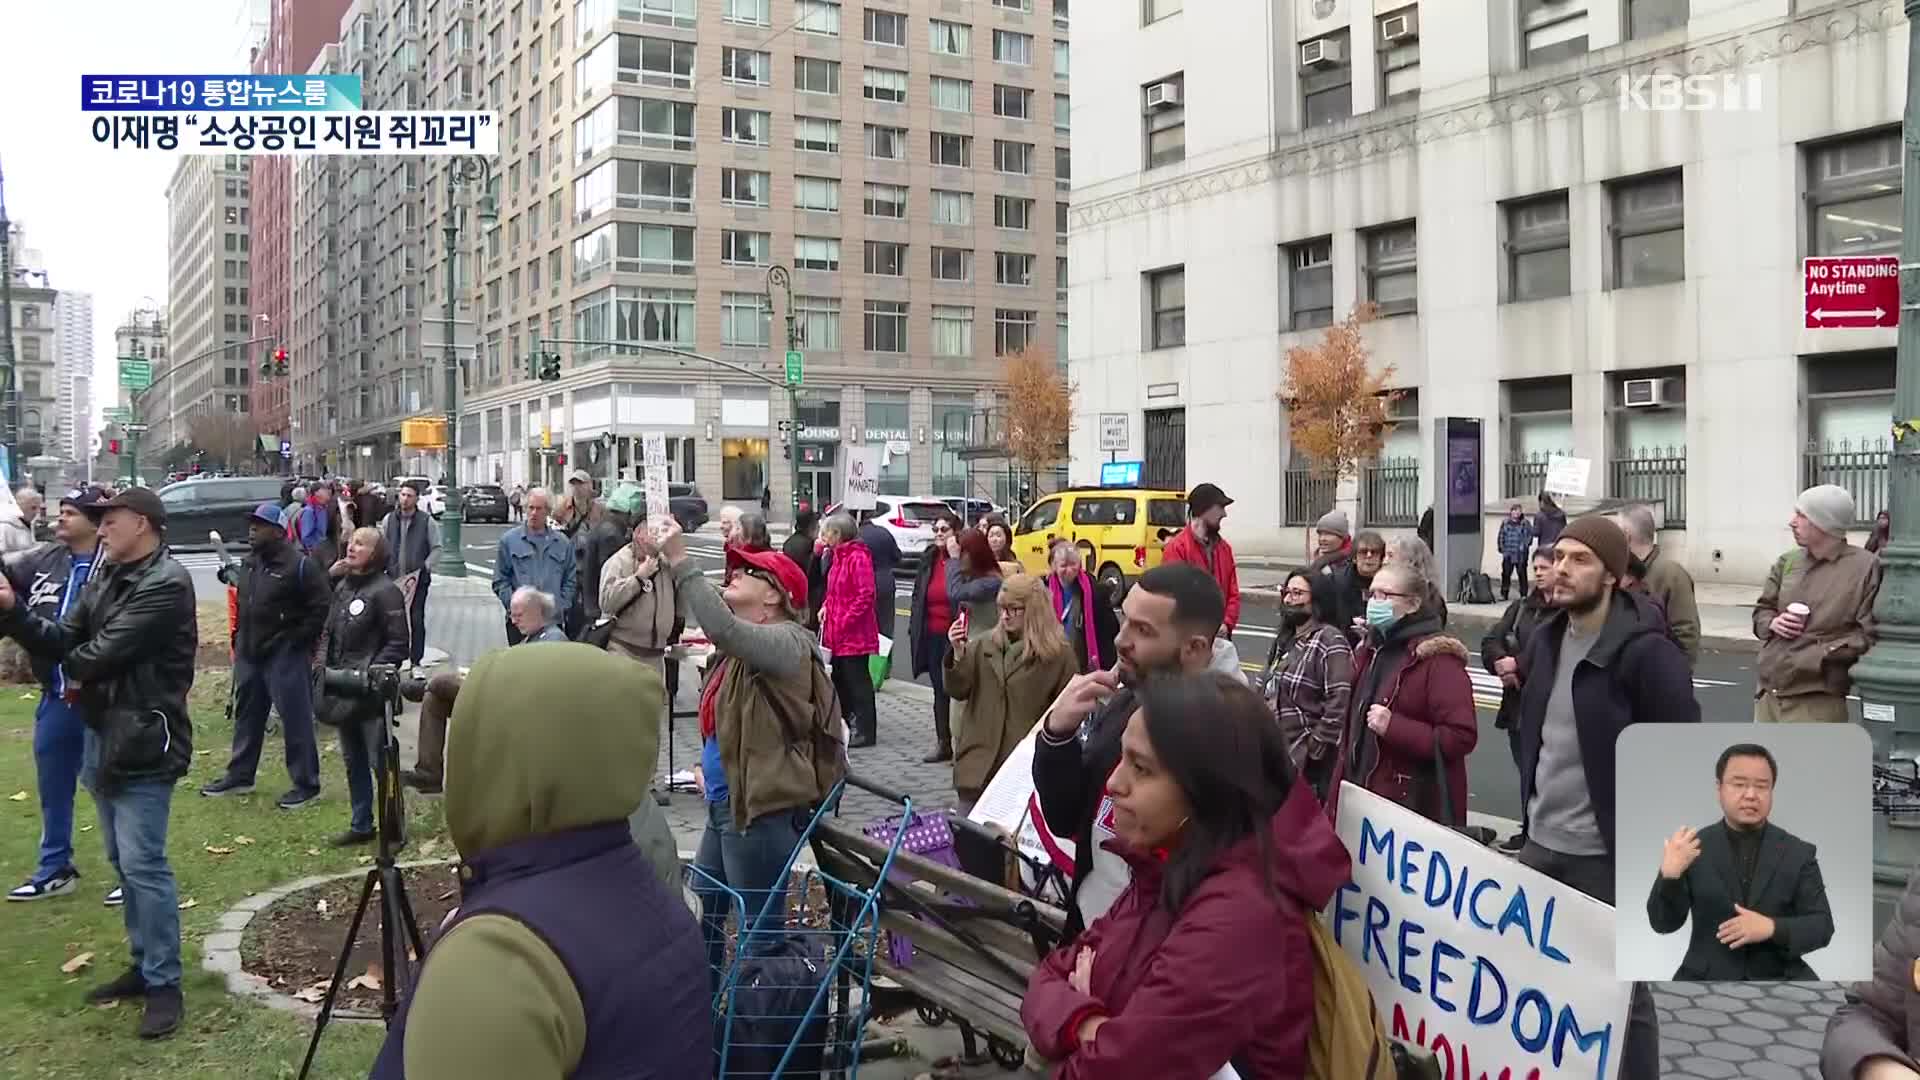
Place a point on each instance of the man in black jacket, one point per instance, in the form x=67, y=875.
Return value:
x=1757, y=899
x=413, y=547
x=1168, y=622
x=284, y=597
x=1501, y=651
x=125, y=651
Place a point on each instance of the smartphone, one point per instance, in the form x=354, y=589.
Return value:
x=962, y=620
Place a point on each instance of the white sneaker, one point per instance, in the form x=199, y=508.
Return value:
x=63, y=882
x=115, y=898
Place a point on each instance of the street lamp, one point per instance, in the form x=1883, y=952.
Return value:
x=779, y=278
x=461, y=171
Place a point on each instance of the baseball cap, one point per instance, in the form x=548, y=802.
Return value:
x=627, y=499
x=267, y=512
x=782, y=568
x=141, y=501
x=87, y=500
x=1206, y=497
x=579, y=476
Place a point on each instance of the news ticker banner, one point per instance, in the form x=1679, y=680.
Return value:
x=303, y=115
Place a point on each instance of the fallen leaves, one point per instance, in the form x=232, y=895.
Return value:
x=323, y=909
x=364, y=860
x=27, y=697
x=189, y=902
x=86, y=828
x=76, y=963
x=363, y=982
x=18, y=796
x=243, y=840
x=312, y=995
x=211, y=850
x=313, y=851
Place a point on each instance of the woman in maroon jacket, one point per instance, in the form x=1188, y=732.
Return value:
x=1411, y=723
x=1205, y=959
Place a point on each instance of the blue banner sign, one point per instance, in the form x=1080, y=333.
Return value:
x=219, y=93
x=1120, y=474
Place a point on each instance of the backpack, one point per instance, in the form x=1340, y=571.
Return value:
x=1475, y=588
x=1349, y=1039
x=775, y=1003
x=822, y=732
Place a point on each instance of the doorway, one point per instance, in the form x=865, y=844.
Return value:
x=816, y=488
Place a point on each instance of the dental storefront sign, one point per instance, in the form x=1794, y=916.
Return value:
x=1501, y=971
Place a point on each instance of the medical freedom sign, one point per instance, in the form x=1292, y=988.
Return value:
x=1502, y=972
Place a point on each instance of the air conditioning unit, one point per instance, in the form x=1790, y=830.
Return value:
x=1400, y=27
x=1164, y=95
x=1644, y=393
x=1322, y=52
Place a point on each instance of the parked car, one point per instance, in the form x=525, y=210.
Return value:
x=909, y=519
x=399, y=482
x=971, y=511
x=687, y=506
x=222, y=504
x=435, y=500
x=484, y=502
x=1121, y=532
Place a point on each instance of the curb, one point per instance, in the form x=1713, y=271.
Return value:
x=221, y=949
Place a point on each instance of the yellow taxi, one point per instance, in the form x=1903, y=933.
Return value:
x=1120, y=531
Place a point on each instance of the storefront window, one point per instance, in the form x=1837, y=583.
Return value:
x=887, y=426
x=817, y=448
x=743, y=469
x=950, y=419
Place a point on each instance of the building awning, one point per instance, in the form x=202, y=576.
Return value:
x=270, y=443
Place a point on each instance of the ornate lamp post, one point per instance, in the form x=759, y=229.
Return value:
x=461, y=171
x=779, y=278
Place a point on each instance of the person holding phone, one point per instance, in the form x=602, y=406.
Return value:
x=1007, y=679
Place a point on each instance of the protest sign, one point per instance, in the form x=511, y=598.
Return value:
x=1498, y=969
x=654, y=476
x=863, y=477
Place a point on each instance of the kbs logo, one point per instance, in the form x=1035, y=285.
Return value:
x=1666, y=92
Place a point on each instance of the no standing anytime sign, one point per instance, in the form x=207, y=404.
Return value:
x=1852, y=291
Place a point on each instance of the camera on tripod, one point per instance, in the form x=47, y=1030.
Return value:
x=375, y=682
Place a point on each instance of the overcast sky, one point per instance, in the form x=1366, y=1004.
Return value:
x=99, y=216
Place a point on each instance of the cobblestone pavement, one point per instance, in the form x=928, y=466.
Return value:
x=1711, y=1031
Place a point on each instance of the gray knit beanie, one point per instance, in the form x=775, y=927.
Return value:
x=1828, y=506
x=1334, y=522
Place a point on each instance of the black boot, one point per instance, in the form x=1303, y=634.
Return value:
x=165, y=1007
x=128, y=985
x=940, y=753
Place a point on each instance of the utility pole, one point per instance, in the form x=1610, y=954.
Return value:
x=7, y=382
x=778, y=278
x=460, y=171
x=1888, y=676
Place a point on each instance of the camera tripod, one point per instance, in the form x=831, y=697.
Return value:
x=398, y=955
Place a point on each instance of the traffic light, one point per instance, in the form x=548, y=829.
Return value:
x=786, y=451
x=561, y=459
x=279, y=361
x=113, y=446
x=549, y=367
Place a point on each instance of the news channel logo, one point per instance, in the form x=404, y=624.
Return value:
x=296, y=115
x=1672, y=92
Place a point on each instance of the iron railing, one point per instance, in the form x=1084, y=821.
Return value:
x=1306, y=496
x=1390, y=493
x=1859, y=466
x=1165, y=466
x=1524, y=478
x=1653, y=474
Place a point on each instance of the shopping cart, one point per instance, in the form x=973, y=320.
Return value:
x=792, y=988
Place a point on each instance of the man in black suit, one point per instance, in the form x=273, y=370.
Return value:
x=1757, y=900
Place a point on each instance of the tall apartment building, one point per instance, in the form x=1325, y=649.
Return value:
x=72, y=429
x=296, y=32
x=141, y=335
x=208, y=310
x=35, y=347
x=906, y=160
x=317, y=299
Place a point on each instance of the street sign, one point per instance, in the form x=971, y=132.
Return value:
x=117, y=415
x=796, y=367
x=286, y=449
x=136, y=374
x=136, y=429
x=1113, y=431
x=1851, y=291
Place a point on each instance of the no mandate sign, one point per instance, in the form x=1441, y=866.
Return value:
x=1852, y=291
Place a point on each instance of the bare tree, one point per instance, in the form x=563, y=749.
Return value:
x=1339, y=409
x=228, y=438
x=1039, y=412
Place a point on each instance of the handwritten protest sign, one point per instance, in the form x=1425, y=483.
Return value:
x=654, y=476
x=1501, y=971
x=863, y=477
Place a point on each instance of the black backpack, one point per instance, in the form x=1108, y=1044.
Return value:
x=776, y=1003
x=1475, y=588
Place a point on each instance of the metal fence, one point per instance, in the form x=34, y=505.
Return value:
x=1859, y=466
x=1165, y=466
x=1307, y=497
x=1390, y=493
x=1521, y=479
x=1653, y=474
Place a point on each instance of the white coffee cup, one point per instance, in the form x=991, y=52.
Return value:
x=1799, y=611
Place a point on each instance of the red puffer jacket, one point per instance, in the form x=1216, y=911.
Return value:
x=847, y=626
x=1228, y=977
x=1421, y=676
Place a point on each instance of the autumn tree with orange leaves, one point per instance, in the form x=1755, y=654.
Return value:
x=1039, y=412
x=1339, y=410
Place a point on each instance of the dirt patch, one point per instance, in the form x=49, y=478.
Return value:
x=216, y=637
x=295, y=943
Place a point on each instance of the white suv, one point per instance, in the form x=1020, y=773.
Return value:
x=910, y=520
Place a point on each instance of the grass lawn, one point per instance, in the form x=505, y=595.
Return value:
x=46, y=1030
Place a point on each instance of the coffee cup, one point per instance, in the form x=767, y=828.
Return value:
x=1799, y=611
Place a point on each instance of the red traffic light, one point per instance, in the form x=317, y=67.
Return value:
x=562, y=459
x=113, y=446
x=279, y=356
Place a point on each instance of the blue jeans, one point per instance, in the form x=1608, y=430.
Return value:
x=282, y=679
x=750, y=864
x=59, y=746
x=133, y=826
x=360, y=748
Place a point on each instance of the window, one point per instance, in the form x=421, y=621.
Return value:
x=751, y=126
x=1013, y=157
x=746, y=66
x=655, y=249
x=747, y=12
x=745, y=319
x=815, y=76
x=1062, y=112
x=741, y=248
x=953, y=264
x=1012, y=212
x=817, y=17
x=1060, y=219
x=886, y=28
x=952, y=331
x=656, y=62
x=1155, y=10
x=1853, y=195
x=884, y=84
x=955, y=151
x=1165, y=123
x=949, y=38
x=952, y=207
x=1014, y=5
x=665, y=12
x=1011, y=47
x=886, y=143
x=816, y=252
x=745, y=187
x=885, y=258
x=1391, y=256
x=1012, y=268
x=1167, y=306
x=886, y=326
x=659, y=316
x=816, y=133
x=1649, y=231
x=1062, y=60
x=816, y=193
x=1399, y=56
x=1012, y=331
x=818, y=320
x=1310, y=283
x=1012, y=102
x=1552, y=30
x=886, y=201
x=666, y=125
x=1326, y=85
x=1538, y=248
x=951, y=95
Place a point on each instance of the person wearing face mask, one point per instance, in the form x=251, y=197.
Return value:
x=1410, y=723
x=1309, y=676
x=1007, y=679
x=366, y=625
x=1083, y=606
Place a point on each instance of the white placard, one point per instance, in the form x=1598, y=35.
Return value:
x=1877, y=711
x=1474, y=955
x=654, y=479
x=1568, y=476
x=1113, y=431
x=863, y=478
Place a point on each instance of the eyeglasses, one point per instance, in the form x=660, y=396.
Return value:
x=1369, y=553
x=1384, y=594
x=1014, y=609
x=1297, y=594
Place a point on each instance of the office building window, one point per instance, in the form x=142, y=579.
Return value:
x=1155, y=10
x=955, y=151
x=1398, y=33
x=1552, y=30
x=1013, y=157
x=749, y=66
x=884, y=84
x=949, y=38
x=818, y=193
x=1012, y=102
x=745, y=319
x=886, y=28
x=816, y=133
x=1014, y=5
x=886, y=200
x=1011, y=47
x=745, y=187
x=886, y=143
x=1012, y=331
x=1645, y=18
x=1167, y=297
x=951, y=95
x=1062, y=112
x=1012, y=268
x=1310, y=283
x=747, y=12
x=817, y=17
x=1326, y=80
x=886, y=326
x=742, y=248
x=1060, y=220
x=1062, y=60
x=952, y=207
x=885, y=258
x=812, y=75
x=1648, y=230
x=752, y=127
x=952, y=331
x=1391, y=279
x=1165, y=120
x=952, y=264
x=816, y=252
x=1012, y=212
x=1853, y=195
x=818, y=320
x=1538, y=248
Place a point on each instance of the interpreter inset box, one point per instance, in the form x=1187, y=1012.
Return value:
x=1743, y=853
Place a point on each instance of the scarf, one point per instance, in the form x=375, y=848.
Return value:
x=312, y=524
x=710, y=699
x=1086, y=614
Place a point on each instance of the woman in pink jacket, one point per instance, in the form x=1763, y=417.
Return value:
x=847, y=628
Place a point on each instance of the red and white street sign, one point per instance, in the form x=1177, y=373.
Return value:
x=1852, y=290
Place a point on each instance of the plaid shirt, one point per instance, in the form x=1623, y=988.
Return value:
x=1308, y=690
x=1515, y=538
